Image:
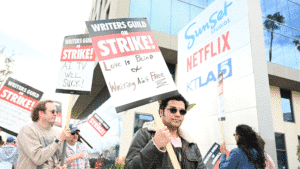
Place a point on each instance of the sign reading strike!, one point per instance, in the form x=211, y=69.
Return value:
x=98, y=124
x=16, y=101
x=77, y=65
x=132, y=64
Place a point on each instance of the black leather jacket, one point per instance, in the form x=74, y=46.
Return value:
x=143, y=154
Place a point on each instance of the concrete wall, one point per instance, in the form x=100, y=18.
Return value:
x=291, y=130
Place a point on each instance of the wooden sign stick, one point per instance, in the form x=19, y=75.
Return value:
x=160, y=125
x=67, y=126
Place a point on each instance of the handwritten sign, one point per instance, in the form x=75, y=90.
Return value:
x=16, y=101
x=77, y=65
x=132, y=64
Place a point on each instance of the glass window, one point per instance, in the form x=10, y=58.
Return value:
x=197, y=3
x=281, y=151
x=168, y=16
x=140, y=9
x=161, y=16
x=280, y=19
x=180, y=16
x=140, y=119
x=194, y=11
x=287, y=108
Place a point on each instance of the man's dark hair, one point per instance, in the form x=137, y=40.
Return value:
x=1, y=141
x=40, y=106
x=165, y=102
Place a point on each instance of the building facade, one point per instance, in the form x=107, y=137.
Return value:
x=281, y=27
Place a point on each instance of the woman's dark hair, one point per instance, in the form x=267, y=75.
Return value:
x=165, y=102
x=261, y=142
x=247, y=139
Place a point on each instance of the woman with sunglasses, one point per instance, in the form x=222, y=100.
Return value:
x=249, y=153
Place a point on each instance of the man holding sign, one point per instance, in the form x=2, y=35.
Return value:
x=38, y=142
x=148, y=148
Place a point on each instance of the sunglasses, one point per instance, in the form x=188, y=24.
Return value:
x=53, y=111
x=234, y=134
x=75, y=133
x=174, y=110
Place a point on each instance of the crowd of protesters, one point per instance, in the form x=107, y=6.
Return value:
x=40, y=146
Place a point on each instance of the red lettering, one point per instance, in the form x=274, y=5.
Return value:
x=206, y=51
x=192, y=60
x=200, y=51
x=212, y=50
x=195, y=60
x=226, y=44
x=219, y=45
x=189, y=63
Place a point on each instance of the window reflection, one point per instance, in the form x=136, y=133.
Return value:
x=281, y=151
x=282, y=31
x=286, y=102
x=140, y=119
x=167, y=16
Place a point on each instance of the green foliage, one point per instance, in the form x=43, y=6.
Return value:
x=119, y=166
x=297, y=42
x=272, y=23
x=8, y=61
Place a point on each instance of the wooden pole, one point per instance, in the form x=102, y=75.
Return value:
x=160, y=125
x=67, y=126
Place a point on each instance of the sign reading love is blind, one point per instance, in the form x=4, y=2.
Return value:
x=16, y=101
x=76, y=65
x=132, y=64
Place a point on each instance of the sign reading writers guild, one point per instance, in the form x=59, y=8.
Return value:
x=76, y=65
x=132, y=64
x=16, y=101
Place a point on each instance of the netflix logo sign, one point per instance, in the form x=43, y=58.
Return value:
x=98, y=124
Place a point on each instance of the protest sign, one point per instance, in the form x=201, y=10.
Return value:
x=213, y=157
x=76, y=65
x=98, y=124
x=58, y=120
x=132, y=64
x=16, y=101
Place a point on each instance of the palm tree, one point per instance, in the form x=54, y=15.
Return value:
x=271, y=23
x=297, y=42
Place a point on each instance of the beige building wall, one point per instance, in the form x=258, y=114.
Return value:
x=128, y=124
x=291, y=130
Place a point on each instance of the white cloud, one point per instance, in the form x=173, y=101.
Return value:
x=35, y=30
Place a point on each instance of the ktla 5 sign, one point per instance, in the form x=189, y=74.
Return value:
x=211, y=75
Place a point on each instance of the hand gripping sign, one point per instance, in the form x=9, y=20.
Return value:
x=132, y=64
